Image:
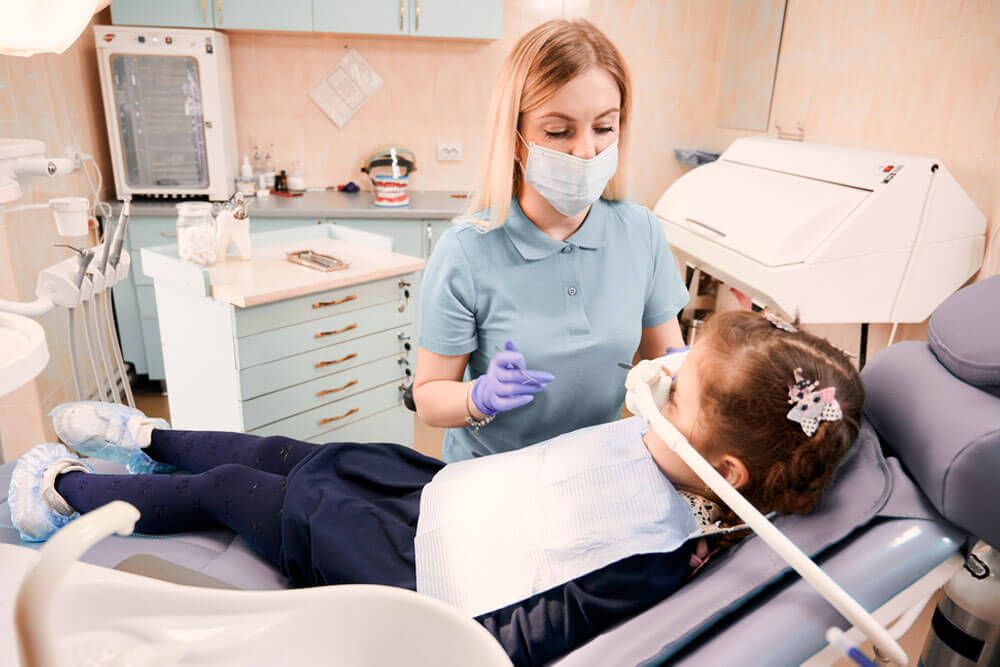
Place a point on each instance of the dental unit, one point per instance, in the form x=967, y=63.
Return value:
x=78, y=283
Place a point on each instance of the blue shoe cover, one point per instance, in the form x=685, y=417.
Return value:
x=108, y=431
x=31, y=515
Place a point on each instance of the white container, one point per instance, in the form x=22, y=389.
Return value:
x=70, y=214
x=196, y=235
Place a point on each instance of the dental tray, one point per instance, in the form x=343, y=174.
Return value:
x=316, y=260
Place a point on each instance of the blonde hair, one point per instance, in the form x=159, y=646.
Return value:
x=542, y=61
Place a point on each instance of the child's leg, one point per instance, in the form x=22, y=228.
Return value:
x=198, y=451
x=242, y=499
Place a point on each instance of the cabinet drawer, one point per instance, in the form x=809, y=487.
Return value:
x=325, y=361
x=287, y=341
x=392, y=425
x=334, y=415
x=270, y=408
x=257, y=319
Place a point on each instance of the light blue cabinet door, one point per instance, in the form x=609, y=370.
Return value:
x=128, y=317
x=264, y=15
x=175, y=13
x=481, y=19
x=407, y=235
x=437, y=229
x=374, y=17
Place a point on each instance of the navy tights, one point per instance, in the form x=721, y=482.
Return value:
x=237, y=481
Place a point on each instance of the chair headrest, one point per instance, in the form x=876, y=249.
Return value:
x=937, y=406
x=964, y=334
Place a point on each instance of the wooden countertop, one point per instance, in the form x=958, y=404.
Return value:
x=268, y=276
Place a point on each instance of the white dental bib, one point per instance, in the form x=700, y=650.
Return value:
x=496, y=530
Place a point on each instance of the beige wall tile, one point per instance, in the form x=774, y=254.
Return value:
x=910, y=77
x=54, y=98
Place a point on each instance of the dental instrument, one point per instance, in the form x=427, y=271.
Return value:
x=643, y=388
x=527, y=378
x=102, y=281
x=120, y=263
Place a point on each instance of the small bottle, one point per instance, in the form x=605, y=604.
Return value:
x=246, y=171
x=269, y=168
x=281, y=182
x=258, y=166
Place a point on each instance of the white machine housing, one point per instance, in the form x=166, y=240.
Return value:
x=213, y=143
x=830, y=233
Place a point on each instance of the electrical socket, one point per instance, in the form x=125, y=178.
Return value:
x=449, y=152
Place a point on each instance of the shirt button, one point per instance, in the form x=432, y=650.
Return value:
x=567, y=249
x=571, y=291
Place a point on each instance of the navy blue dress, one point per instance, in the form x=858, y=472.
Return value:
x=350, y=517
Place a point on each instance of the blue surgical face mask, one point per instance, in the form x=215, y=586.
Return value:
x=570, y=184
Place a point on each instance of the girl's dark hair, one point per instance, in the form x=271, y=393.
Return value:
x=744, y=405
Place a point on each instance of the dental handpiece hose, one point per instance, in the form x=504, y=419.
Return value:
x=774, y=538
x=116, y=252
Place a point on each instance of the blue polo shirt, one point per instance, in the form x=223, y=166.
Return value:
x=574, y=308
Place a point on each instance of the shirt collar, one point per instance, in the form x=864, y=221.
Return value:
x=532, y=243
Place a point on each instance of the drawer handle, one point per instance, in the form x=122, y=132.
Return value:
x=339, y=389
x=324, y=304
x=168, y=235
x=327, y=420
x=334, y=362
x=334, y=332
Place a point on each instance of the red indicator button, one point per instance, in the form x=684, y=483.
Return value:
x=886, y=169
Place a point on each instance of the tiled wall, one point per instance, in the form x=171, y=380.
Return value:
x=909, y=76
x=439, y=91
x=54, y=98
x=919, y=77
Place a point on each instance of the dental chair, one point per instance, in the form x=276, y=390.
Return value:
x=918, y=488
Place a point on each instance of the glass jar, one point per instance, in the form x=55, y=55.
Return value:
x=196, y=234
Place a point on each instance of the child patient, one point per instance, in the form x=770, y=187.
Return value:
x=773, y=409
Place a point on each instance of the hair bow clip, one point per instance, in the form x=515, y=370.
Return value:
x=810, y=405
x=778, y=322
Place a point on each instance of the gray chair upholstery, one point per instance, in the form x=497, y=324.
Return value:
x=936, y=405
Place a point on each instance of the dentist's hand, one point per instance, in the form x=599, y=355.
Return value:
x=507, y=384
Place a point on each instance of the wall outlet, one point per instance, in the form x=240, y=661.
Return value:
x=449, y=152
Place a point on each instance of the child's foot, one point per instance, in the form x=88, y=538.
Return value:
x=36, y=508
x=111, y=432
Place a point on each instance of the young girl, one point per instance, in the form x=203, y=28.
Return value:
x=773, y=409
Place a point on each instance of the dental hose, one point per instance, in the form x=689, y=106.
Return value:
x=74, y=360
x=105, y=364
x=117, y=352
x=90, y=348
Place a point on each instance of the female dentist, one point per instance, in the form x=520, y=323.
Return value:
x=548, y=259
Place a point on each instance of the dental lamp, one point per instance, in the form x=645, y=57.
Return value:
x=44, y=26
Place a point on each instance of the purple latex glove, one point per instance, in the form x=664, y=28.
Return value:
x=506, y=384
x=676, y=350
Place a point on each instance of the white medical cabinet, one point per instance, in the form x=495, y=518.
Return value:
x=270, y=347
